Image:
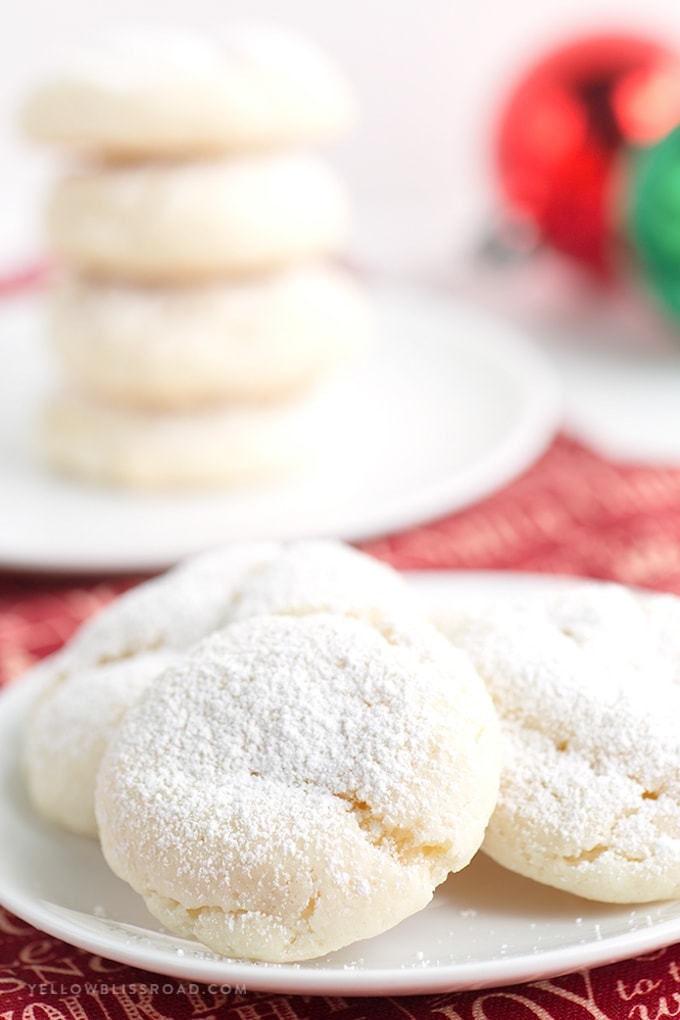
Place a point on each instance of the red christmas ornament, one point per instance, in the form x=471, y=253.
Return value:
x=564, y=127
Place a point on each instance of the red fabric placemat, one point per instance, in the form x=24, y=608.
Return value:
x=573, y=512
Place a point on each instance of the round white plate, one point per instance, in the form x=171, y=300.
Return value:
x=484, y=926
x=450, y=406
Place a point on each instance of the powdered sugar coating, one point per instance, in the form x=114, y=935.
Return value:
x=296, y=783
x=89, y=684
x=587, y=685
x=218, y=446
x=322, y=576
x=173, y=610
x=175, y=93
x=71, y=725
x=170, y=222
x=257, y=339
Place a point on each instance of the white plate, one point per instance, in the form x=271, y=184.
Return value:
x=450, y=406
x=484, y=926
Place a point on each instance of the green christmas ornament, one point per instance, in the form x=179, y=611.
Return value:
x=653, y=218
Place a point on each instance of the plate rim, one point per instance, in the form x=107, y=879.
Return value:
x=351, y=982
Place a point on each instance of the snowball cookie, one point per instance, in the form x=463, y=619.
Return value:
x=177, y=94
x=587, y=685
x=182, y=221
x=207, y=591
x=221, y=446
x=71, y=725
x=298, y=783
x=168, y=348
x=320, y=575
x=84, y=689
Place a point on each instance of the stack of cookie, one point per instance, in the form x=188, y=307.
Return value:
x=198, y=310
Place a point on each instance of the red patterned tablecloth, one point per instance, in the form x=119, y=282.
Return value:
x=572, y=513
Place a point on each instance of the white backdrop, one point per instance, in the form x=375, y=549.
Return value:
x=429, y=74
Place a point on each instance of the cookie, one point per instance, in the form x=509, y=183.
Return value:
x=178, y=222
x=296, y=783
x=85, y=689
x=587, y=686
x=71, y=725
x=314, y=576
x=223, y=446
x=177, y=94
x=171, y=348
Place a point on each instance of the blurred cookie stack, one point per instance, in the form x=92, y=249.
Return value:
x=197, y=310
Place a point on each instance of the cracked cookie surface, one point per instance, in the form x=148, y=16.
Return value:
x=145, y=93
x=87, y=687
x=298, y=782
x=587, y=686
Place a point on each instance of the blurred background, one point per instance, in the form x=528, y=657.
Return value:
x=430, y=76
